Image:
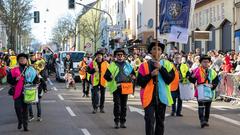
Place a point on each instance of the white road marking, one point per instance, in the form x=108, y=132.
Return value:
x=190, y=107
x=60, y=97
x=226, y=119
x=137, y=110
x=141, y=111
x=220, y=117
x=49, y=101
x=70, y=111
x=2, y=88
x=50, y=82
x=85, y=131
x=222, y=108
x=55, y=89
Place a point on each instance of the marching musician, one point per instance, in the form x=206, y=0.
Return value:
x=208, y=78
x=154, y=77
x=39, y=65
x=16, y=79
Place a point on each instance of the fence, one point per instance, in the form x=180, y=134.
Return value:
x=229, y=85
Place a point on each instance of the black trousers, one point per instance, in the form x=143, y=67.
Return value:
x=204, y=110
x=155, y=113
x=95, y=97
x=120, y=106
x=38, y=104
x=21, y=110
x=176, y=102
x=84, y=83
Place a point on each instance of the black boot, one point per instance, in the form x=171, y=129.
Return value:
x=202, y=124
x=116, y=125
x=25, y=129
x=122, y=125
x=19, y=125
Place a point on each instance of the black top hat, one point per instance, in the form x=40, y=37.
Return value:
x=119, y=50
x=205, y=57
x=99, y=52
x=154, y=44
x=22, y=55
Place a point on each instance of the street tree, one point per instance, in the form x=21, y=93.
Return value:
x=65, y=28
x=16, y=16
x=93, y=29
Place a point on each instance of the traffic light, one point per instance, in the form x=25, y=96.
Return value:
x=36, y=16
x=112, y=43
x=71, y=4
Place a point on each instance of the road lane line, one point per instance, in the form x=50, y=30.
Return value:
x=60, y=97
x=55, y=89
x=190, y=107
x=85, y=131
x=226, y=119
x=141, y=111
x=2, y=88
x=50, y=82
x=70, y=111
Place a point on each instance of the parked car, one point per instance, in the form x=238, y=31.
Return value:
x=76, y=57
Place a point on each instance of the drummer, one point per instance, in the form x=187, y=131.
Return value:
x=207, y=77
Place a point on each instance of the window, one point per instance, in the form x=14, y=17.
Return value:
x=125, y=24
x=137, y=21
x=129, y=23
x=122, y=6
x=140, y=19
x=118, y=7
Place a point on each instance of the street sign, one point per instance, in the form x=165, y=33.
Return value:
x=178, y=34
x=202, y=35
x=117, y=28
x=88, y=45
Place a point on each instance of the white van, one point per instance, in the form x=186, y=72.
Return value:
x=76, y=57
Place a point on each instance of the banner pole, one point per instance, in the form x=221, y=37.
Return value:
x=156, y=36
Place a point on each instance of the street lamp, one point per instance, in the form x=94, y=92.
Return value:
x=103, y=11
x=97, y=10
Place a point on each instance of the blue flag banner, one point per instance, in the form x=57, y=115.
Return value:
x=174, y=13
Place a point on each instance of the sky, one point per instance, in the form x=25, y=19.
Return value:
x=50, y=12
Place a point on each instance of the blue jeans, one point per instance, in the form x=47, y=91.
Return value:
x=38, y=109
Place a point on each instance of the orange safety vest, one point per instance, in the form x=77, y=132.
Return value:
x=146, y=93
x=82, y=73
x=95, y=77
x=175, y=83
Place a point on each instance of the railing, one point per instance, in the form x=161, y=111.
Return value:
x=229, y=86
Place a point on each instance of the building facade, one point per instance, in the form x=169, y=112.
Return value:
x=218, y=17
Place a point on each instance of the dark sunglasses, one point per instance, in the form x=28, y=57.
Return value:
x=120, y=54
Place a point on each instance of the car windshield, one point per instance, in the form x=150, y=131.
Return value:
x=75, y=56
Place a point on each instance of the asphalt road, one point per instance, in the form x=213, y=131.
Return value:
x=66, y=112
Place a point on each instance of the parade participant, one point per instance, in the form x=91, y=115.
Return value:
x=119, y=76
x=68, y=64
x=39, y=65
x=16, y=78
x=154, y=78
x=69, y=80
x=207, y=78
x=174, y=87
x=3, y=70
x=13, y=60
x=83, y=75
x=97, y=69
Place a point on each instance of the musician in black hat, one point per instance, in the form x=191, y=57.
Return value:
x=207, y=81
x=119, y=76
x=97, y=69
